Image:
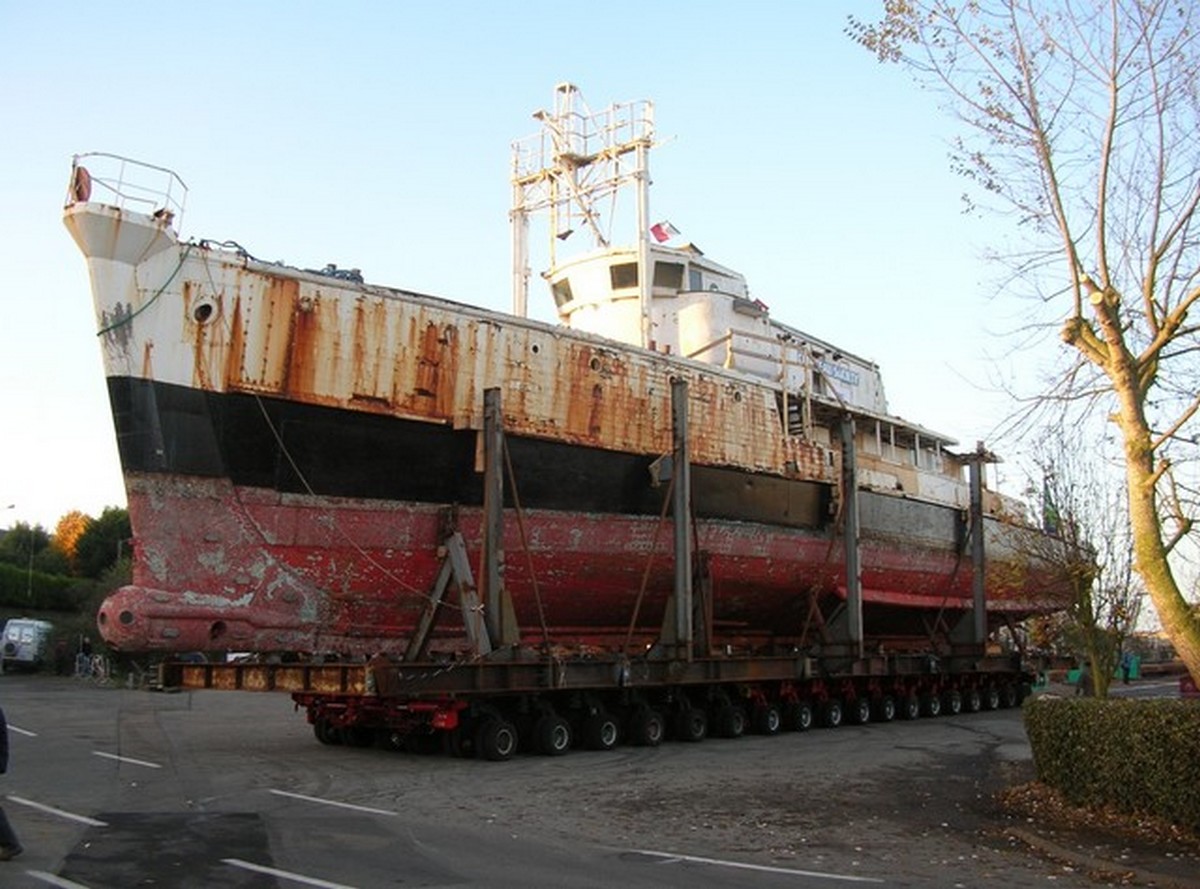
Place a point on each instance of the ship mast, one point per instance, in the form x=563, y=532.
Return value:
x=574, y=169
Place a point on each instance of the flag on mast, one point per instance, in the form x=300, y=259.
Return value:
x=663, y=231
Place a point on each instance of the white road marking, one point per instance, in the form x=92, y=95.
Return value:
x=60, y=882
x=22, y=731
x=670, y=858
x=330, y=802
x=285, y=875
x=50, y=810
x=128, y=759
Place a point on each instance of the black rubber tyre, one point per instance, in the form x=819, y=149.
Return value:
x=952, y=702
x=496, y=740
x=425, y=743
x=730, y=721
x=798, y=716
x=973, y=701
x=390, y=739
x=910, y=707
x=832, y=713
x=1008, y=695
x=326, y=733
x=456, y=743
x=931, y=705
x=767, y=720
x=884, y=709
x=552, y=735
x=646, y=727
x=858, y=711
x=691, y=725
x=601, y=732
x=991, y=698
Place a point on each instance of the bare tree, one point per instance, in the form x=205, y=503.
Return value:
x=1081, y=117
x=1084, y=508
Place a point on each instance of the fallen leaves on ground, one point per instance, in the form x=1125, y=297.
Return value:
x=1048, y=809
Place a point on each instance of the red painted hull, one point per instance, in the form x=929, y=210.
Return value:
x=220, y=567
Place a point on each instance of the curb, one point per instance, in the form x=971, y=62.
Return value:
x=1093, y=863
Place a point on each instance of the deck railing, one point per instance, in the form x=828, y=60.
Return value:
x=126, y=184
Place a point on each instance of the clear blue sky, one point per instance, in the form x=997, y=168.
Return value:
x=377, y=135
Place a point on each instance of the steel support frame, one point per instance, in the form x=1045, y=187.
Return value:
x=846, y=626
x=502, y=629
x=972, y=629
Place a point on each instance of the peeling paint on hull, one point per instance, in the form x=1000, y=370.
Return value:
x=289, y=572
x=292, y=444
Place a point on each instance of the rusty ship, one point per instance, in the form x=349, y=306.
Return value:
x=298, y=446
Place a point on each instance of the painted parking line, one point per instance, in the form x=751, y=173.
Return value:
x=127, y=759
x=60, y=813
x=284, y=874
x=671, y=858
x=21, y=731
x=331, y=802
x=52, y=880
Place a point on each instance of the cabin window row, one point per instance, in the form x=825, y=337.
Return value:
x=902, y=446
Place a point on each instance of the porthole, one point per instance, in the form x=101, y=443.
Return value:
x=203, y=311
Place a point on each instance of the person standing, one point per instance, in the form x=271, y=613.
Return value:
x=10, y=846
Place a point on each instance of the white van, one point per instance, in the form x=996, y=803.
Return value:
x=26, y=643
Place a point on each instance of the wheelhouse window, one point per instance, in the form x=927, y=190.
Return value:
x=562, y=292
x=695, y=279
x=668, y=275
x=623, y=275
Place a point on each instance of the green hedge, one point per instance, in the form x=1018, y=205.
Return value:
x=1137, y=756
x=23, y=589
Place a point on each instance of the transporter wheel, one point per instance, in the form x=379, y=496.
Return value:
x=858, y=712
x=358, y=736
x=497, y=740
x=423, y=743
x=600, y=732
x=731, y=721
x=798, y=716
x=326, y=733
x=884, y=709
x=390, y=739
x=910, y=707
x=767, y=720
x=973, y=701
x=646, y=727
x=456, y=743
x=931, y=704
x=552, y=735
x=691, y=724
x=991, y=698
x=1008, y=695
x=833, y=713
x=952, y=702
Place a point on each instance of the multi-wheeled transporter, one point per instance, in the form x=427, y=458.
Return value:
x=683, y=515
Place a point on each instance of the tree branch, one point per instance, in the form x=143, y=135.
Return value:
x=1178, y=424
x=1171, y=327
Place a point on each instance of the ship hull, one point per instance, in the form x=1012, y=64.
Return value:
x=297, y=446
x=270, y=525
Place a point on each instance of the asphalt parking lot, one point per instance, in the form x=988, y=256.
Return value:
x=110, y=787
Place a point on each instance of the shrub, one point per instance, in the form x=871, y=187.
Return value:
x=1137, y=756
x=33, y=590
